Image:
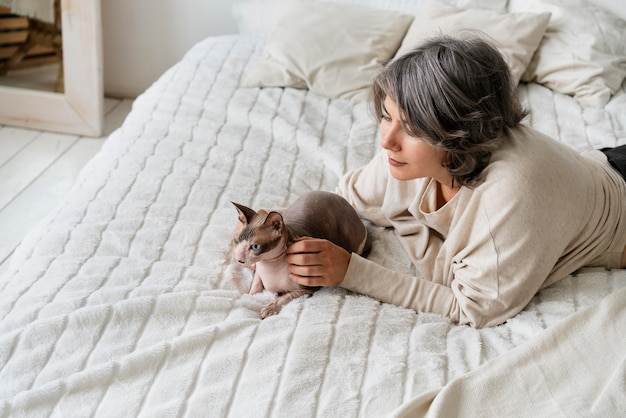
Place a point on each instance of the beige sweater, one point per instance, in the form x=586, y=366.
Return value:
x=541, y=211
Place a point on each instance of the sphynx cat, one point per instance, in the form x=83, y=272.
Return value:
x=261, y=239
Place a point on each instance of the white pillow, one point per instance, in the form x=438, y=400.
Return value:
x=583, y=52
x=517, y=34
x=332, y=49
x=259, y=17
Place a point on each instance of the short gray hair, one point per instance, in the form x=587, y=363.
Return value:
x=455, y=93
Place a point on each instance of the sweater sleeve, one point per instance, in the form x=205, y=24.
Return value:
x=389, y=286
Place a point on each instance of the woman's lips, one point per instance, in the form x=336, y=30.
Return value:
x=395, y=163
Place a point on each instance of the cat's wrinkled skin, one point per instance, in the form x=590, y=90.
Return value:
x=261, y=239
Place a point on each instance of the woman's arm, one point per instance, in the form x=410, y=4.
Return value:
x=318, y=262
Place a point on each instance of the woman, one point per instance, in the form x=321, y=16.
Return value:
x=489, y=210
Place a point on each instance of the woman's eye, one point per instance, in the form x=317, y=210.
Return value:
x=255, y=247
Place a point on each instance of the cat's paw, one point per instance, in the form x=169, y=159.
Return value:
x=270, y=310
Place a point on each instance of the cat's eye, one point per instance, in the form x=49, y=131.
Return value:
x=255, y=247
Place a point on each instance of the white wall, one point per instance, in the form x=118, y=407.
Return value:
x=143, y=38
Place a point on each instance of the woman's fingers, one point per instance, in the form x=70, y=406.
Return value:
x=317, y=262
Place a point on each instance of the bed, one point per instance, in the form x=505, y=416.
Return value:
x=124, y=301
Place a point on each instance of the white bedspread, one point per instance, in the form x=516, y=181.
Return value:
x=123, y=301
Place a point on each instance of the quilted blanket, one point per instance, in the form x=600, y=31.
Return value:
x=124, y=302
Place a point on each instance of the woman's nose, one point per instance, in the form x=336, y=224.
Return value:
x=389, y=138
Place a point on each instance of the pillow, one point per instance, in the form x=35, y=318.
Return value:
x=517, y=34
x=333, y=49
x=259, y=17
x=583, y=52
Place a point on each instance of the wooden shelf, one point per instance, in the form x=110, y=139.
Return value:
x=13, y=34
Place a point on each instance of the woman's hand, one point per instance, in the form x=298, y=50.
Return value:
x=317, y=262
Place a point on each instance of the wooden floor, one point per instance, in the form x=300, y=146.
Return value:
x=37, y=169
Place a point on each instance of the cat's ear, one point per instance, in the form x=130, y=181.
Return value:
x=245, y=213
x=275, y=220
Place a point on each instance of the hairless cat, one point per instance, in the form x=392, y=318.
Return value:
x=261, y=239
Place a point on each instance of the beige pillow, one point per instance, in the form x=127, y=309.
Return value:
x=517, y=34
x=259, y=17
x=583, y=52
x=333, y=49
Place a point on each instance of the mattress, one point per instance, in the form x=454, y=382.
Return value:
x=124, y=300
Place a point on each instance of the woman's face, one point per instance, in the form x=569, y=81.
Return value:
x=409, y=157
